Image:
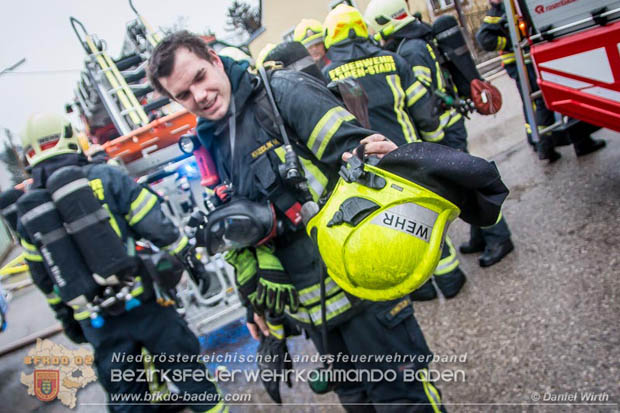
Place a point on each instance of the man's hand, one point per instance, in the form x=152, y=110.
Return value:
x=376, y=144
x=257, y=327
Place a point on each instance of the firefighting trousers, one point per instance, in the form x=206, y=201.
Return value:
x=167, y=337
x=384, y=338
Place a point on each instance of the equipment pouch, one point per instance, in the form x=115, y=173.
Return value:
x=396, y=313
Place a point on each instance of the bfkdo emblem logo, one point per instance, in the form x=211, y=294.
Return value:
x=46, y=384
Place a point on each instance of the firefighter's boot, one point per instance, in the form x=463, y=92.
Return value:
x=546, y=150
x=587, y=145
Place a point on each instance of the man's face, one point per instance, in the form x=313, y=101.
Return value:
x=317, y=51
x=202, y=87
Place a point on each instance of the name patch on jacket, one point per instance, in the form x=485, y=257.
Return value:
x=412, y=219
x=264, y=148
x=364, y=67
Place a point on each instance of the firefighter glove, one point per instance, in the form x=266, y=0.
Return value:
x=274, y=290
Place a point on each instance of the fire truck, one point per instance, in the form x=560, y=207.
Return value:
x=140, y=132
x=575, y=48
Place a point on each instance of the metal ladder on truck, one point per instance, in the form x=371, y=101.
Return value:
x=105, y=76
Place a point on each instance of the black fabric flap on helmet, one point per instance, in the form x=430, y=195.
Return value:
x=471, y=183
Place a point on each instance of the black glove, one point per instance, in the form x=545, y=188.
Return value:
x=273, y=355
x=70, y=325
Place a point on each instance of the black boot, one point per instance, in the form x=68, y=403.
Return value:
x=472, y=246
x=451, y=283
x=476, y=241
x=494, y=253
x=546, y=149
x=560, y=138
x=588, y=145
x=425, y=293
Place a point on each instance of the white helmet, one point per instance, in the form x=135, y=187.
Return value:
x=387, y=16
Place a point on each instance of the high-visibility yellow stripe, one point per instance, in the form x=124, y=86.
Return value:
x=317, y=181
x=30, y=251
x=499, y=218
x=432, y=394
x=112, y=221
x=276, y=330
x=415, y=92
x=178, y=245
x=492, y=19
x=53, y=298
x=433, y=136
x=143, y=203
x=334, y=307
x=501, y=43
x=310, y=295
x=399, y=108
x=82, y=315
x=448, y=263
x=326, y=128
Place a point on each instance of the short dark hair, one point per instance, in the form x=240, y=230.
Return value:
x=161, y=61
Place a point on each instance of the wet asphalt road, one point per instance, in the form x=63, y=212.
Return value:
x=532, y=332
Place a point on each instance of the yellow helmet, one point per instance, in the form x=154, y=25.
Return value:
x=308, y=32
x=383, y=240
x=387, y=16
x=339, y=23
x=236, y=54
x=47, y=135
x=260, y=60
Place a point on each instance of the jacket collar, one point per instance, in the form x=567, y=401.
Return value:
x=351, y=50
x=41, y=172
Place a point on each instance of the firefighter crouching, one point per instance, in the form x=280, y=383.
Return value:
x=412, y=39
x=493, y=35
x=244, y=136
x=77, y=224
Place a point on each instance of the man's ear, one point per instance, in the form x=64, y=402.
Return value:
x=215, y=59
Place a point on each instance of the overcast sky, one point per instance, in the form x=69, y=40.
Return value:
x=40, y=31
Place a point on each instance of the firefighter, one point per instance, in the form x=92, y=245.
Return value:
x=397, y=107
x=132, y=212
x=248, y=153
x=493, y=35
x=309, y=32
x=411, y=39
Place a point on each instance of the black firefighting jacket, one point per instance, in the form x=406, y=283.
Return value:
x=493, y=35
x=412, y=42
x=320, y=130
x=398, y=105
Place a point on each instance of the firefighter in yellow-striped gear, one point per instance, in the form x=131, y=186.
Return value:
x=239, y=130
x=132, y=212
x=493, y=35
x=412, y=39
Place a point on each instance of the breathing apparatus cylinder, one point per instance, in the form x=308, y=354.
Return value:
x=459, y=61
x=87, y=222
x=8, y=206
x=61, y=256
